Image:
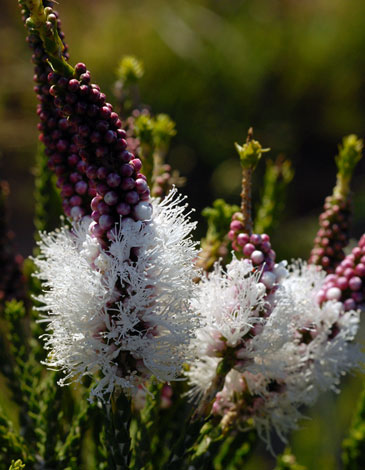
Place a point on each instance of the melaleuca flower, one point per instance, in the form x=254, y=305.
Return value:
x=250, y=399
x=230, y=302
x=124, y=310
x=296, y=351
x=311, y=344
x=233, y=305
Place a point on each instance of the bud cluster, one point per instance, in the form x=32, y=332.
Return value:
x=333, y=234
x=55, y=132
x=256, y=248
x=96, y=148
x=347, y=283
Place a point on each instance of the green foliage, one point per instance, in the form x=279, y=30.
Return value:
x=158, y=427
x=183, y=448
x=48, y=207
x=163, y=130
x=12, y=445
x=117, y=425
x=45, y=409
x=11, y=280
x=218, y=218
x=69, y=455
x=154, y=134
x=278, y=175
x=143, y=128
x=156, y=131
x=149, y=450
x=13, y=366
x=222, y=450
x=208, y=444
x=130, y=70
x=235, y=450
x=353, y=455
x=349, y=154
x=250, y=153
x=17, y=465
x=215, y=243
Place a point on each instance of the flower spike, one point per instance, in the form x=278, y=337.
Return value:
x=333, y=234
x=117, y=284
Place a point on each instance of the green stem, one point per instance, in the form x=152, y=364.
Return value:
x=236, y=450
x=189, y=436
x=44, y=22
x=250, y=154
x=118, y=414
x=246, y=198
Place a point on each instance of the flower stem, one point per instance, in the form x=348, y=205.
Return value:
x=44, y=22
x=118, y=414
x=180, y=452
x=246, y=198
x=250, y=154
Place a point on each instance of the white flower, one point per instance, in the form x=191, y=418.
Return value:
x=124, y=311
x=300, y=350
x=306, y=345
x=230, y=303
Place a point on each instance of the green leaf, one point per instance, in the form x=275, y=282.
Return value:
x=118, y=439
x=250, y=153
x=278, y=175
x=353, y=455
x=349, y=154
x=17, y=465
x=12, y=445
x=130, y=70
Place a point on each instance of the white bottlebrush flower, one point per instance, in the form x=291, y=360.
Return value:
x=306, y=345
x=300, y=350
x=325, y=350
x=124, y=311
x=230, y=302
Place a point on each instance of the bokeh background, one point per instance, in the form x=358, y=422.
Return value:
x=293, y=69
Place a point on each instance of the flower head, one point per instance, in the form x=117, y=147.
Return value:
x=230, y=303
x=297, y=350
x=122, y=311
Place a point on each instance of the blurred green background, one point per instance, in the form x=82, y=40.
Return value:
x=293, y=69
